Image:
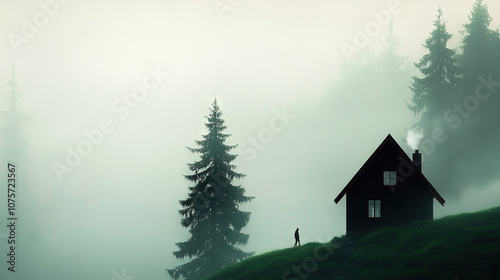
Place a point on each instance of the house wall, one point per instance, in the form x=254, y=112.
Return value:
x=410, y=200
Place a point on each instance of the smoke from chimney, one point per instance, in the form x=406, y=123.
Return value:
x=413, y=138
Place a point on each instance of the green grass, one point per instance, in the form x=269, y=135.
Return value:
x=273, y=265
x=465, y=246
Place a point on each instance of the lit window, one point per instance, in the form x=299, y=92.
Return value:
x=389, y=178
x=373, y=208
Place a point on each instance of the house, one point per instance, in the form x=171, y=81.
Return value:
x=388, y=190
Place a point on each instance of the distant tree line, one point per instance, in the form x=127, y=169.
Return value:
x=457, y=98
x=452, y=82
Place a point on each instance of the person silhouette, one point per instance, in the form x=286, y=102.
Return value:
x=297, y=238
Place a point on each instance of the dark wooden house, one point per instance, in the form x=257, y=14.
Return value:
x=388, y=190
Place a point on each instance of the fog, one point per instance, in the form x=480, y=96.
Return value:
x=113, y=211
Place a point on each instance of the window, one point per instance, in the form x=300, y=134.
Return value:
x=389, y=178
x=373, y=208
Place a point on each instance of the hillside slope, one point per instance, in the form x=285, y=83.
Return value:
x=465, y=246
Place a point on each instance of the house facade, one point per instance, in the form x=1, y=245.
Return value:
x=388, y=190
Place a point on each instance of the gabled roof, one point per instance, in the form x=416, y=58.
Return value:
x=389, y=141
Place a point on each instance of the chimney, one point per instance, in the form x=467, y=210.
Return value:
x=417, y=160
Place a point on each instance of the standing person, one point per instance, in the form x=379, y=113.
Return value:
x=297, y=238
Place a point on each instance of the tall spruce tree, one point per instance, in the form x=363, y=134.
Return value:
x=390, y=60
x=12, y=136
x=394, y=67
x=437, y=89
x=480, y=61
x=211, y=211
x=480, y=54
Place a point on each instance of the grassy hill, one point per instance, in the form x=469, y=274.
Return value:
x=465, y=246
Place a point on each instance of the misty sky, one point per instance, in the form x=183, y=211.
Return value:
x=273, y=66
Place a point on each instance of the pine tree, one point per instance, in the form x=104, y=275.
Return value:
x=480, y=53
x=390, y=59
x=211, y=211
x=393, y=67
x=480, y=61
x=12, y=135
x=436, y=91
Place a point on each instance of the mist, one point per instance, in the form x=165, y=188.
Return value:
x=114, y=92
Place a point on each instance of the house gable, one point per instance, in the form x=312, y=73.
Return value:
x=405, y=168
